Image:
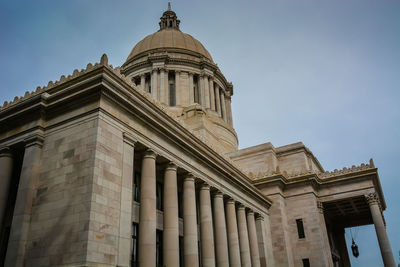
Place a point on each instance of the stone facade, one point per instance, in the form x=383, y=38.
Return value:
x=139, y=165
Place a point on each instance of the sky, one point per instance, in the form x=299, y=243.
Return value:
x=326, y=73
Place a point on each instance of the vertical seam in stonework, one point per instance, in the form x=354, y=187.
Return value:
x=172, y=38
x=184, y=40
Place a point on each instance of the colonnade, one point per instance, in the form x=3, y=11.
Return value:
x=227, y=234
x=209, y=94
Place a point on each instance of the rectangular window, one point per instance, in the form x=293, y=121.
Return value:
x=135, y=245
x=172, y=98
x=180, y=205
x=181, y=258
x=300, y=228
x=306, y=262
x=136, y=187
x=159, y=248
x=159, y=196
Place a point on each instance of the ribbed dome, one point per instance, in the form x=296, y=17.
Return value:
x=169, y=38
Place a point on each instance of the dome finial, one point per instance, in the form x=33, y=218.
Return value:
x=169, y=19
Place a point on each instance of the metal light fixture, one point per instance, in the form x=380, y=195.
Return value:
x=354, y=249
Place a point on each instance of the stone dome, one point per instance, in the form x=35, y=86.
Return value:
x=169, y=39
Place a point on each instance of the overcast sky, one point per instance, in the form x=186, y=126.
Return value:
x=326, y=73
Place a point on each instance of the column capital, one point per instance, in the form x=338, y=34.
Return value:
x=171, y=166
x=129, y=139
x=250, y=213
x=231, y=201
x=204, y=186
x=372, y=198
x=5, y=151
x=155, y=69
x=241, y=206
x=177, y=71
x=259, y=217
x=218, y=194
x=143, y=75
x=189, y=177
x=149, y=153
x=34, y=140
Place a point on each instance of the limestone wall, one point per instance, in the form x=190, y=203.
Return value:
x=61, y=207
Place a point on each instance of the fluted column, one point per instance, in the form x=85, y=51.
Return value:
x=191, y=88
x=171, y=222
x=23, y=205
x=178, y=94
x=206, y=227
x=261, y=237
x=154, y=84
x=223, y=107
x=212, y=93
x=147, y=219
x=163, y=89
x=221, y=239
x=206, y=92
x=383, y=240
x=229, y=110
x=190, y=246
x=254, y=252
x=232, y=231
x=218, y=99
x=142, y=82
x=6, y=167
x=243, y=237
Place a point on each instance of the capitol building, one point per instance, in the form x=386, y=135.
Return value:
x=139, y=166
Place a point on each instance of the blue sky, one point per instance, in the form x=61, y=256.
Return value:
x=326, y=73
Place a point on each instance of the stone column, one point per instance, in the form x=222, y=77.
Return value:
x=324, y=234
x=206, y=92
x=218, y=99
x=254, y=252
x=212, y=93
x=229, y=110
x=23, y=205
x=223, y=107
x=154, y=83
x=125, y=216
x=201, y=90
x=191, y=90
x=142, y=82
x=377, y=217
x=233, y=237
x=171, y=223
x=221, y=240
x=163, y=89
x=261, y=237
x=243, y=237
x=190, y=246
x=178, y=94
x=206, y=227
x=6, y=168
x=147, y=217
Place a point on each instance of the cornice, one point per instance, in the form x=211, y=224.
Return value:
x=104, y=79
x=319, y=182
